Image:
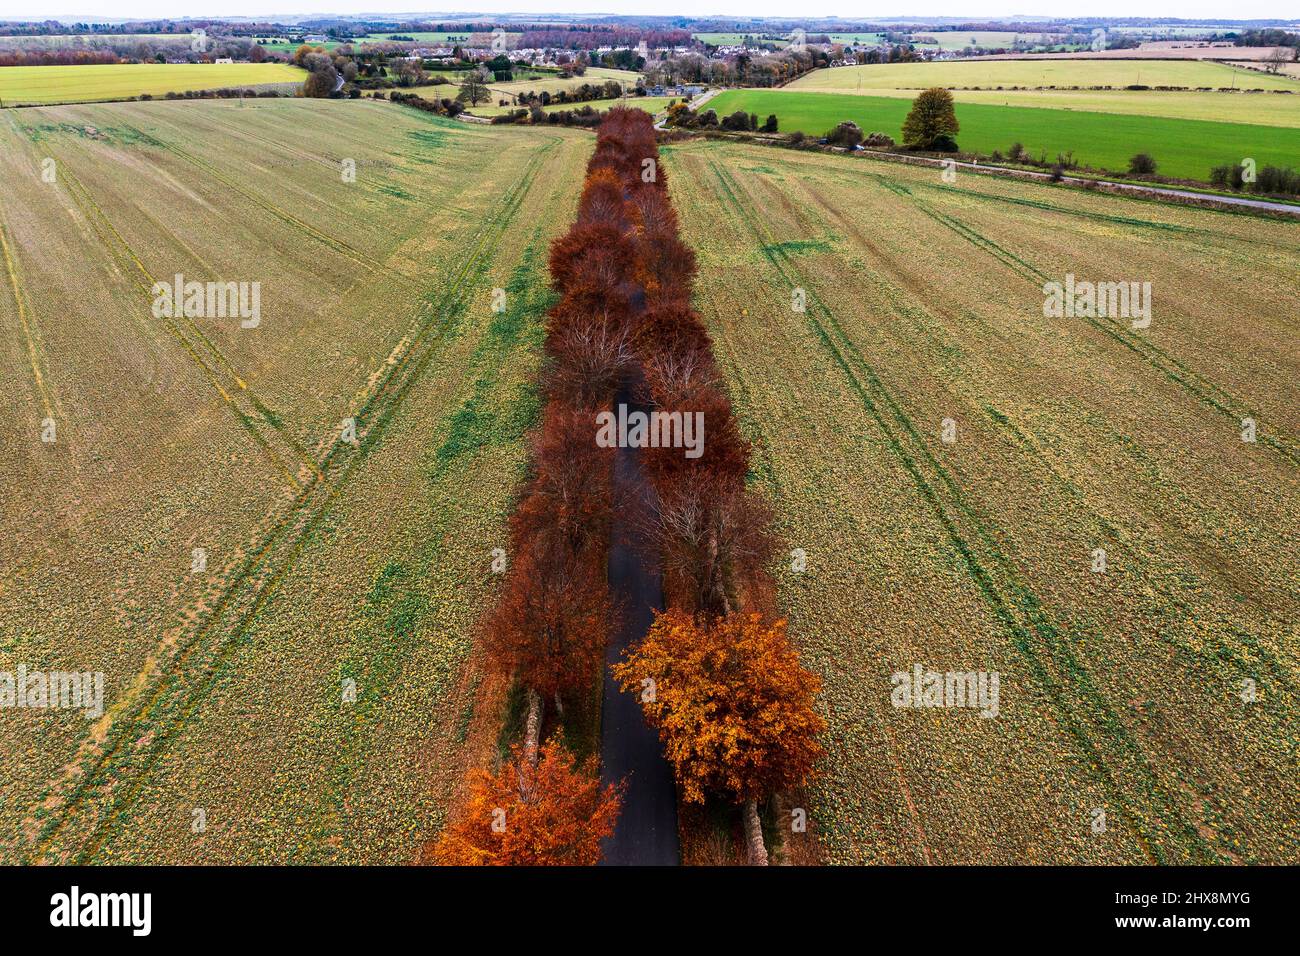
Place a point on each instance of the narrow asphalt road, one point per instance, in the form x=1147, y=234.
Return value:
x=646, y=832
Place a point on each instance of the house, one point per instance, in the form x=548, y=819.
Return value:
x=315, y=38
x=223, y=59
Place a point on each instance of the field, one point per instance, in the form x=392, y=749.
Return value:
x=25, y=85
x=1120, y=692
x=283, y=45
x=734, y=39
x=553, y=84
x=465, y=39
x=90, y=41
x=651, y=104
x=1192, y=74
x=326, y=561
x=952, y=40
x=1183, y=148
x=1254, y=108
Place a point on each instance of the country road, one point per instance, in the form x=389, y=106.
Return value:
x=646, y=832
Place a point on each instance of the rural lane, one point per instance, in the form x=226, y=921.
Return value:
x=646, y=832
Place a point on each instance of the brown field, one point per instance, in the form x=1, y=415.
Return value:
x=1121, y=692
x=326, y=561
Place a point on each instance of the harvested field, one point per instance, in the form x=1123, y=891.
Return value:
x=1121, y=692
x=28, y=85
x=1046, y=70
x=326, y=561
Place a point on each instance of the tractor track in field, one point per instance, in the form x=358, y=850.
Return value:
x=176, y=694
x=896, y=275
x=49, y=400
x=1067, y=685
x=248, y=419
x=338, y=245
x=195, y=343
x=1201, y=388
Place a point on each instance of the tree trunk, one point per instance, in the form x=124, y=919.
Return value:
x=754, y=846
x=559, y=706
x=533, y=728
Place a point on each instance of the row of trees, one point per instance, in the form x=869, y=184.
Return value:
x=549, y=627
x=730, y=699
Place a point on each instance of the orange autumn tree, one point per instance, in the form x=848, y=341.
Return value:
x=733, y=706
x=548, y=814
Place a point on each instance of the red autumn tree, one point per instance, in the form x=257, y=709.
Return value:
x=545, y=814
x=551, y=623
x=733, y=706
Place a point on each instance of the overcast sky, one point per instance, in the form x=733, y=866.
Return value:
x=973, y=9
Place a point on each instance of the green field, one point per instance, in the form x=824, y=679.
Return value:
x=1264, y=109
x=1183, y=148
x=280, y=45
x=1192, y=74
x=856, y=37
x=733, y=39
x=21, y=85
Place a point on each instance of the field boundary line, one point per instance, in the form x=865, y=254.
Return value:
x=49, y=401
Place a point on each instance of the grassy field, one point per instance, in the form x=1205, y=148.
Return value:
x=326, y=561
x=651, y=104
x=1119, y=692
x=1255, y=108
x=1183, y=148
x=21, y=85
x=1192, y=74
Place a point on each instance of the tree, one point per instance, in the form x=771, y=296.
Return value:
x=473, y=89
x=410, y=73
x=1277, y=57
x=932, y=117
x=770, y=126
x=738, y=120
x=548, y=814
x=322, y=78
x=550, y=625
x=845, y=134
x=1141, y=164
x=732, y=704
x=300, y=55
